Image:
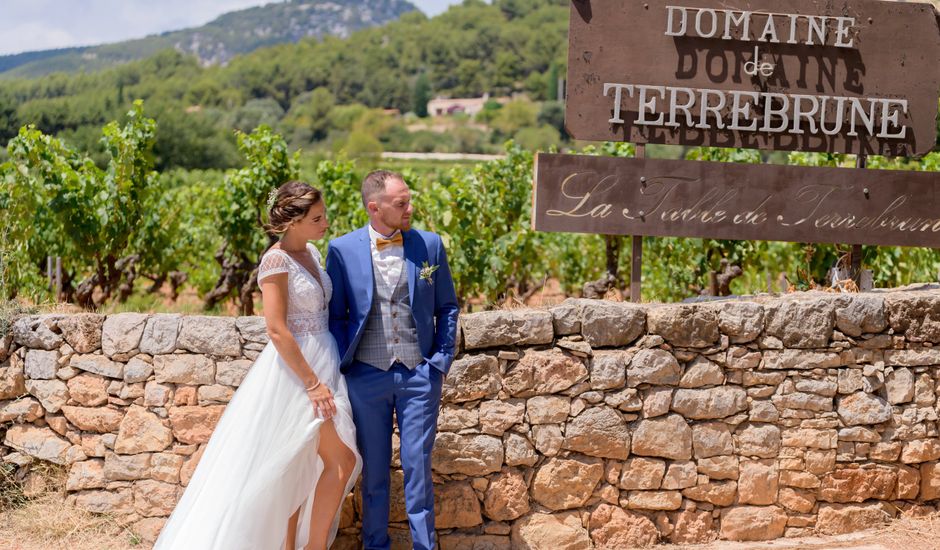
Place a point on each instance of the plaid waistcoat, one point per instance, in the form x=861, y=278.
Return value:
x=389, y=334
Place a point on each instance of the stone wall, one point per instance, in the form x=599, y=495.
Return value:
x=593, y=424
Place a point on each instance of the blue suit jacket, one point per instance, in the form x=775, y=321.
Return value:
x=433, y=304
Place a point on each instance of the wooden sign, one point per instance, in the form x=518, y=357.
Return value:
x=626, y=196
x=855, y=76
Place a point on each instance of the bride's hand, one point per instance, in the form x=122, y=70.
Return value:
x=322, y=399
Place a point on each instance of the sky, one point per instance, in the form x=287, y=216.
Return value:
x=30, y=25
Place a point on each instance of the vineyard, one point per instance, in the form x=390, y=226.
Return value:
x=125, y=231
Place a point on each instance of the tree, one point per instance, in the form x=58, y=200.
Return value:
x=551, y=83
x=514, y=9
x=343, y=117
x=256, y=112
x=8, y=119
x=506, y=70
x=515, y=115
x=243, y=213
x=422, y=95
x=471, y=78
x=193, y=140
x=88, y=215
x=362, y=144
x=308, y=119
x=542, y=138
x=552, y=114
x=490, y=111
x=535, y=86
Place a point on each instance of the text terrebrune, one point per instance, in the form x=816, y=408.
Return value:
x=767, y=111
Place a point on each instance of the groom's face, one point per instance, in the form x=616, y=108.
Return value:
x=394, y=206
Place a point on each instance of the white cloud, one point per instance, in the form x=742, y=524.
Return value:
x=15, y=38
x=30, y=25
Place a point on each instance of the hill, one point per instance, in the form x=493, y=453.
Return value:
x=218, y=41
x=326, y=93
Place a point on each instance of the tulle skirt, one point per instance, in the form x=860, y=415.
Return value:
x=261, y=462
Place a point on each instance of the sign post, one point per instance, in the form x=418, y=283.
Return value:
x=861, y=162
x=861, y=77
x=636, y=253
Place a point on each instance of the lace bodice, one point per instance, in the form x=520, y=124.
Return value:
x=306, y=303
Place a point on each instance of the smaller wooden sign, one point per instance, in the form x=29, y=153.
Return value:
x=625, y=196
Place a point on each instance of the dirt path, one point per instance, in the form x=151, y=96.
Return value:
x=50, y=529
x=858, y=541
x=45, y=522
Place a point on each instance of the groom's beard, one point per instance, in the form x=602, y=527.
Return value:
x=399, y=224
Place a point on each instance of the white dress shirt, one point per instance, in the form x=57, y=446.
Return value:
x=389, y=261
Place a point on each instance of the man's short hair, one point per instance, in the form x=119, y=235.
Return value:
x=374, y=184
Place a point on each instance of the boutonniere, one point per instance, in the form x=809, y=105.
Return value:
x=427, y=271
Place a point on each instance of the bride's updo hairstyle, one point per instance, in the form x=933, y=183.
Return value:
x=290, y=203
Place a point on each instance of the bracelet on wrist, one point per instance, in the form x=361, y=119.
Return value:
x=313, y=387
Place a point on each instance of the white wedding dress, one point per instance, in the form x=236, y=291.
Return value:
x=261, y=462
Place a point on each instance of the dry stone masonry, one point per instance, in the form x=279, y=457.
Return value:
x=591, y=425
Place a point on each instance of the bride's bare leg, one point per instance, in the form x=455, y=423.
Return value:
x=339, y=462
x=291, y=542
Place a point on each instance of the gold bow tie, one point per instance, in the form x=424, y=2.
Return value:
x=381, y=244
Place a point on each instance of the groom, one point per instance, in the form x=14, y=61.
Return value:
x=394, y=317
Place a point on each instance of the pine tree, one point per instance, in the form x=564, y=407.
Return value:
x=422, y=94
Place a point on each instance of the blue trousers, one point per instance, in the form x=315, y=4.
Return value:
x=415, y=398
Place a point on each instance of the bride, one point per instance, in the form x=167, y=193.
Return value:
x=283, y=455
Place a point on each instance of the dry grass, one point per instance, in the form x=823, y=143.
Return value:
x=45, y=522
x=11, y=489
x=34, y=516
x=48, y=523
x=906, y=532
x=912, y=532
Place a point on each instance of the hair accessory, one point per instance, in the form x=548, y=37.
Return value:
x=272, y=198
